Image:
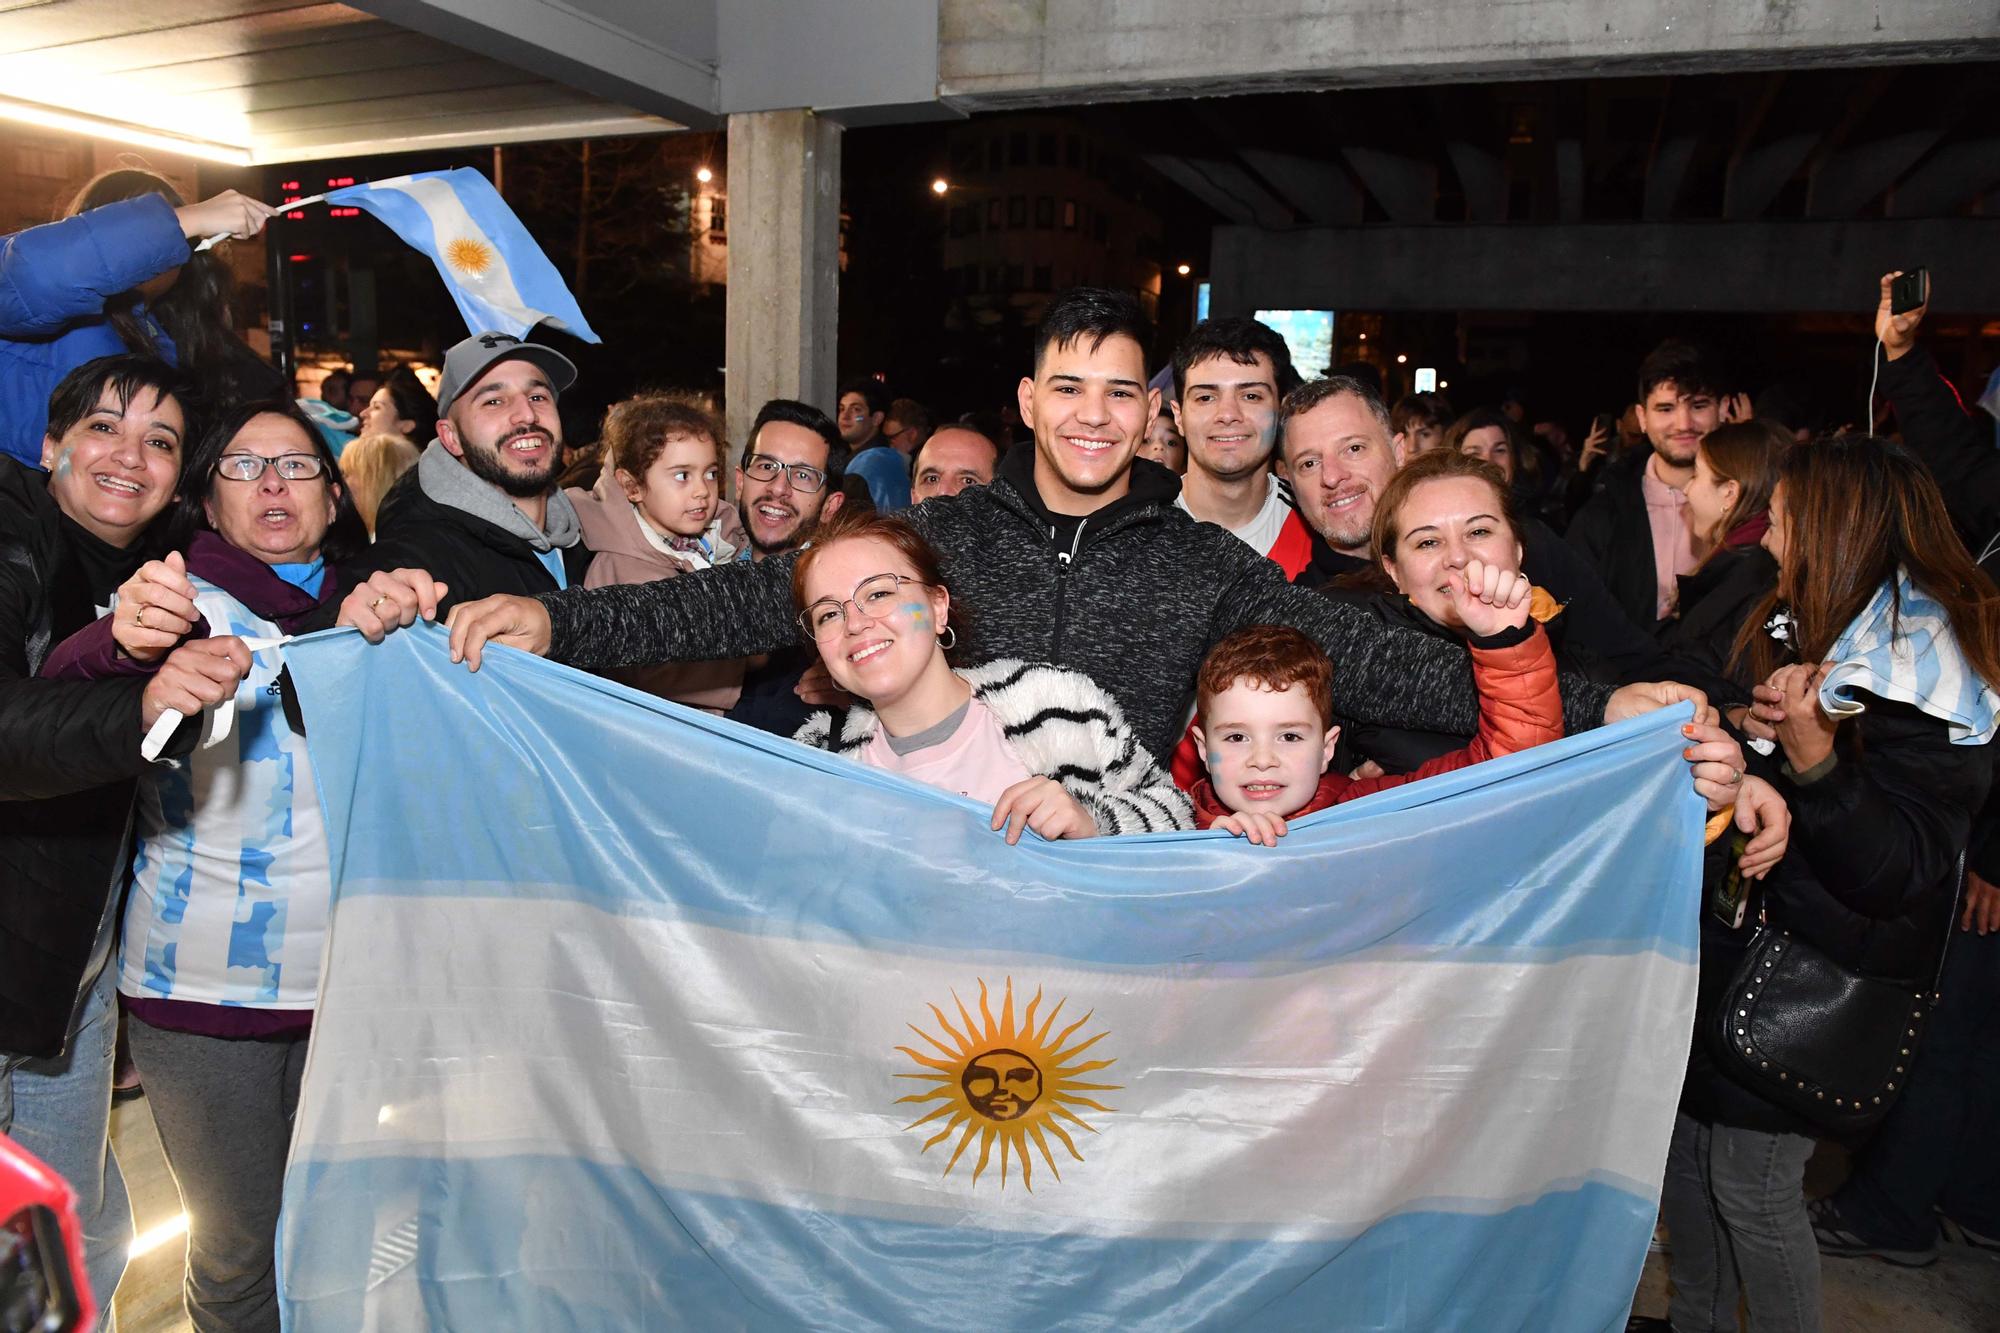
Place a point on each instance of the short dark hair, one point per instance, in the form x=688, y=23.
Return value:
x=346, y=537
x=873, y=392
x=965, y=426
x=795, y=413
x=1091, y=314
x=1314, y=392
x=912, y=414
x=78, y=393
x=1684, y=365
x=413, y=401
x=1420, y=409
x=1239, y=338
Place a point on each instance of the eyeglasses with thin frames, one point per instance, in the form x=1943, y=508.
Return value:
x=805, y=477
x=874, y=600
x=249, y=467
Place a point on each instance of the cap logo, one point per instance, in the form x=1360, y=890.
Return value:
x=492, y=340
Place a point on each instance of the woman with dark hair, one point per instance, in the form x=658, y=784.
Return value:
x=1735, y=469
x=219, y=958
x=69, y=755
x=1878, y=654
x=117, y=274
x=401, y=406
x=1523, y=458
x=1047, y=748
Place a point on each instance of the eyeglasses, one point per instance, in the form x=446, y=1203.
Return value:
x=874, y=599
x=804, y=477
x=249, y=467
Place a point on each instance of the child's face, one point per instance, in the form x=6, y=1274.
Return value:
x=680, y=490
x=1265, y=748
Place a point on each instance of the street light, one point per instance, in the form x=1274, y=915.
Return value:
x=1400, y=358
x=1364, y=337
x=704, y=175
x=1184, y=270
x=940, y=185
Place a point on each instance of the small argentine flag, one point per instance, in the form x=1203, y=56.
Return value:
x=493, y=268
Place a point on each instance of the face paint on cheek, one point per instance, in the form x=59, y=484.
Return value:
x=917, y=612
x=63, y=462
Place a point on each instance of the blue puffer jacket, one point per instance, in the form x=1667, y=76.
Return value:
x=54, y=281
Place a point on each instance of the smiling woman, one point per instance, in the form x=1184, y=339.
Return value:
x=870, y=596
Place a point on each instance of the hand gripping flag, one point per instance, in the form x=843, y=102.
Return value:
x=496, y=273
x=635, y=1018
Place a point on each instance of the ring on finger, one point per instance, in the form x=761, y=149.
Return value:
x=378, y=601
x=139, y=616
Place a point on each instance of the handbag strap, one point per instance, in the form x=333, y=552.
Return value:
x=1950, y=927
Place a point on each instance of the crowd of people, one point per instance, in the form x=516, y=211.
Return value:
x=1259, y=597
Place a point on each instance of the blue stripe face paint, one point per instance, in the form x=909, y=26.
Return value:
x=63, y=461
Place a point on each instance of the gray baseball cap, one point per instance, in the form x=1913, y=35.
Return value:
x=472, y=357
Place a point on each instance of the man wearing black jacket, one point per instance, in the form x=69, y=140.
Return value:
x=1634, y=532
x=481, y=512
x=1075, y=555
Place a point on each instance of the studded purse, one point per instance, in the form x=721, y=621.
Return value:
x=1814, y=1037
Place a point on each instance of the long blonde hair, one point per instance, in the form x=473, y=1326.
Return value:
x=370, y=466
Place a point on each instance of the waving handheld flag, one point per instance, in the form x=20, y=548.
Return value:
x=496, y=273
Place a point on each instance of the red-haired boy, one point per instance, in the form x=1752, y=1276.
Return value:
x=1264, y=708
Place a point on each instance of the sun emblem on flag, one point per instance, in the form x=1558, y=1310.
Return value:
x=1006, y=1082
x=469, y=256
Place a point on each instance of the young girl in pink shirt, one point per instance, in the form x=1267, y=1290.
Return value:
x=870, y=597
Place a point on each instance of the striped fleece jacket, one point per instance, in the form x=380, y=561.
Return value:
x=1132, y=596
x=1061, y=725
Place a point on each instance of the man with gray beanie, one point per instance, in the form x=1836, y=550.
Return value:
x=481, y=512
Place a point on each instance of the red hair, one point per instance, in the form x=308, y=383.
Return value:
x=1273, y=656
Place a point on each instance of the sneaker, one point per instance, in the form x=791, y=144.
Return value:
x=1958, y=1234
x=1838, y=1240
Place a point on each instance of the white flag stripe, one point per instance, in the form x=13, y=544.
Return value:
x=774, y=1062
x=450, y=222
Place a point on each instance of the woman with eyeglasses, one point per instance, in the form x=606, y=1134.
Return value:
x=1046, y=747
x=219, y=958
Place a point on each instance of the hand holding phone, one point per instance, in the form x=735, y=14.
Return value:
x=1909, y=291
x=1904, y=299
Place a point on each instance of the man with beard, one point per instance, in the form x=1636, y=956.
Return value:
x=481, y=511
x=787, y=483
x=1229, y=375
x=1634, y=530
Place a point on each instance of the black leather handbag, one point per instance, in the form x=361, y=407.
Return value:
x=1814, y=1037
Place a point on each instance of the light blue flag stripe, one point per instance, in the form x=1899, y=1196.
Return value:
x=1110, y=901
x=646, y=1259
x=624, y=983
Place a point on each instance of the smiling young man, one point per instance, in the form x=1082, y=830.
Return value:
x=1229, y=376
x=1635, y=530
x=481, y=511
x=1075, y=555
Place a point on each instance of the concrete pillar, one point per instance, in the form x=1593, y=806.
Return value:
x=784, y=263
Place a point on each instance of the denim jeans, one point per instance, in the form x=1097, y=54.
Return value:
x=1735, y=1208
x=1940, y=1146
x=60, y=1110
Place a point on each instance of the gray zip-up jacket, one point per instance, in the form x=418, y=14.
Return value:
x=1134, y=599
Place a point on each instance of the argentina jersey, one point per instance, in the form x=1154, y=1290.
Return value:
x=230, y=882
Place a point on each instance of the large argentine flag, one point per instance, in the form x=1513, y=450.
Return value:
x=496, y=273
x=634, y=1018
